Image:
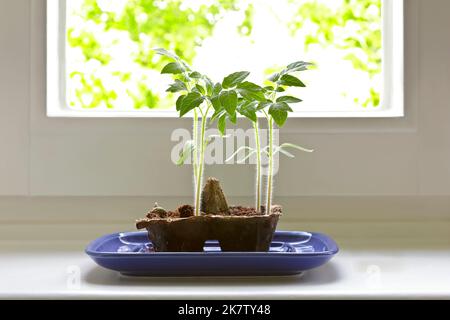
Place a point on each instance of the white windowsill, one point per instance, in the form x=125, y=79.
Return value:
x=67, y=113
x=395, y=268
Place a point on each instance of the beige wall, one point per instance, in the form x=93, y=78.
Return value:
x=40, y=156
x=14, y=96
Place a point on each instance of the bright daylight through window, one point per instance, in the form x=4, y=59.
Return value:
x=108, y=65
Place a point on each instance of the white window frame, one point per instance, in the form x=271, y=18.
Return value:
x=392, y=97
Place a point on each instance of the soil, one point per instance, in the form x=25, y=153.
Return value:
x=186, y=211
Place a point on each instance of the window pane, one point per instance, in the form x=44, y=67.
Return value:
x=110, y=64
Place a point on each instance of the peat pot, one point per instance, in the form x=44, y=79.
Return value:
x=234, y=233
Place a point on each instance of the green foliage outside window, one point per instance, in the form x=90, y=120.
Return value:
x=181, y=28
x=363, y=45
x=148, y=24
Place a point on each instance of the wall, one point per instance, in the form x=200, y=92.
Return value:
x=54, y=165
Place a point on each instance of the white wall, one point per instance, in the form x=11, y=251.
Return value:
x=42, y=156
x=14, y=96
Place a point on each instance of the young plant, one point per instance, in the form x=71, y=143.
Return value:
x=221, y=102
x=206, y=100
x=275, y=108
x=250, y=96
x=238, y=95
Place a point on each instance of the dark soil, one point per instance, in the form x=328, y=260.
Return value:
x=244, y=211
x=186, y=211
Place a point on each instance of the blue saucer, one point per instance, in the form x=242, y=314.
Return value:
x=291, y=252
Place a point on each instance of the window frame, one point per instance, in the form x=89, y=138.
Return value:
x=392, y=97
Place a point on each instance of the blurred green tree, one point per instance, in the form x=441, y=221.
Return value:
x=166, y=23
x=140, y=25
x=361, y=41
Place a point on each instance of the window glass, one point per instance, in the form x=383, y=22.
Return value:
x=110, y=64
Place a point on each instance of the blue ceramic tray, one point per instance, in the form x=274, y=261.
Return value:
x=290, y=253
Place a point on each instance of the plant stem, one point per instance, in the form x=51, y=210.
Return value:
x=270, y=155
x=202, y=141
x=195, y=153
x=194, y=138
x=258, y=167
x=270, y=174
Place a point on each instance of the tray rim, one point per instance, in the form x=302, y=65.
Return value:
x=90, y=249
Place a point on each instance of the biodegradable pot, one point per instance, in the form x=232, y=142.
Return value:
x=234, y=233
x=236, y=228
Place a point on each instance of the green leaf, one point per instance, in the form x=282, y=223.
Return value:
x=185, y=65
x=173, y=68
x=200, y=88
x=166, y=53
x=268, y=89
x=274, y=77
x=263, y=105
x=248, y=110
x=298, y=66
x=215, y=101
x=179, y=102
x=221, y=124
x=279, y=112
x=173, y=56
x=217, y=89
x=216, y=115
x=195, y=75
x=289, y=99
x=209, y=85
x=229, y=100
x=281, y=106
x=234, y=79
x=242, y=160
x=243, y=148
x=251, y=91
x=286, y=153
x=177, y=86
x=232, y=118
x=279, y=116
x=294, y=146
x=249, y=86
x=290, y=81
x=191, y=101
x=185, y=77
x=280, y=89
